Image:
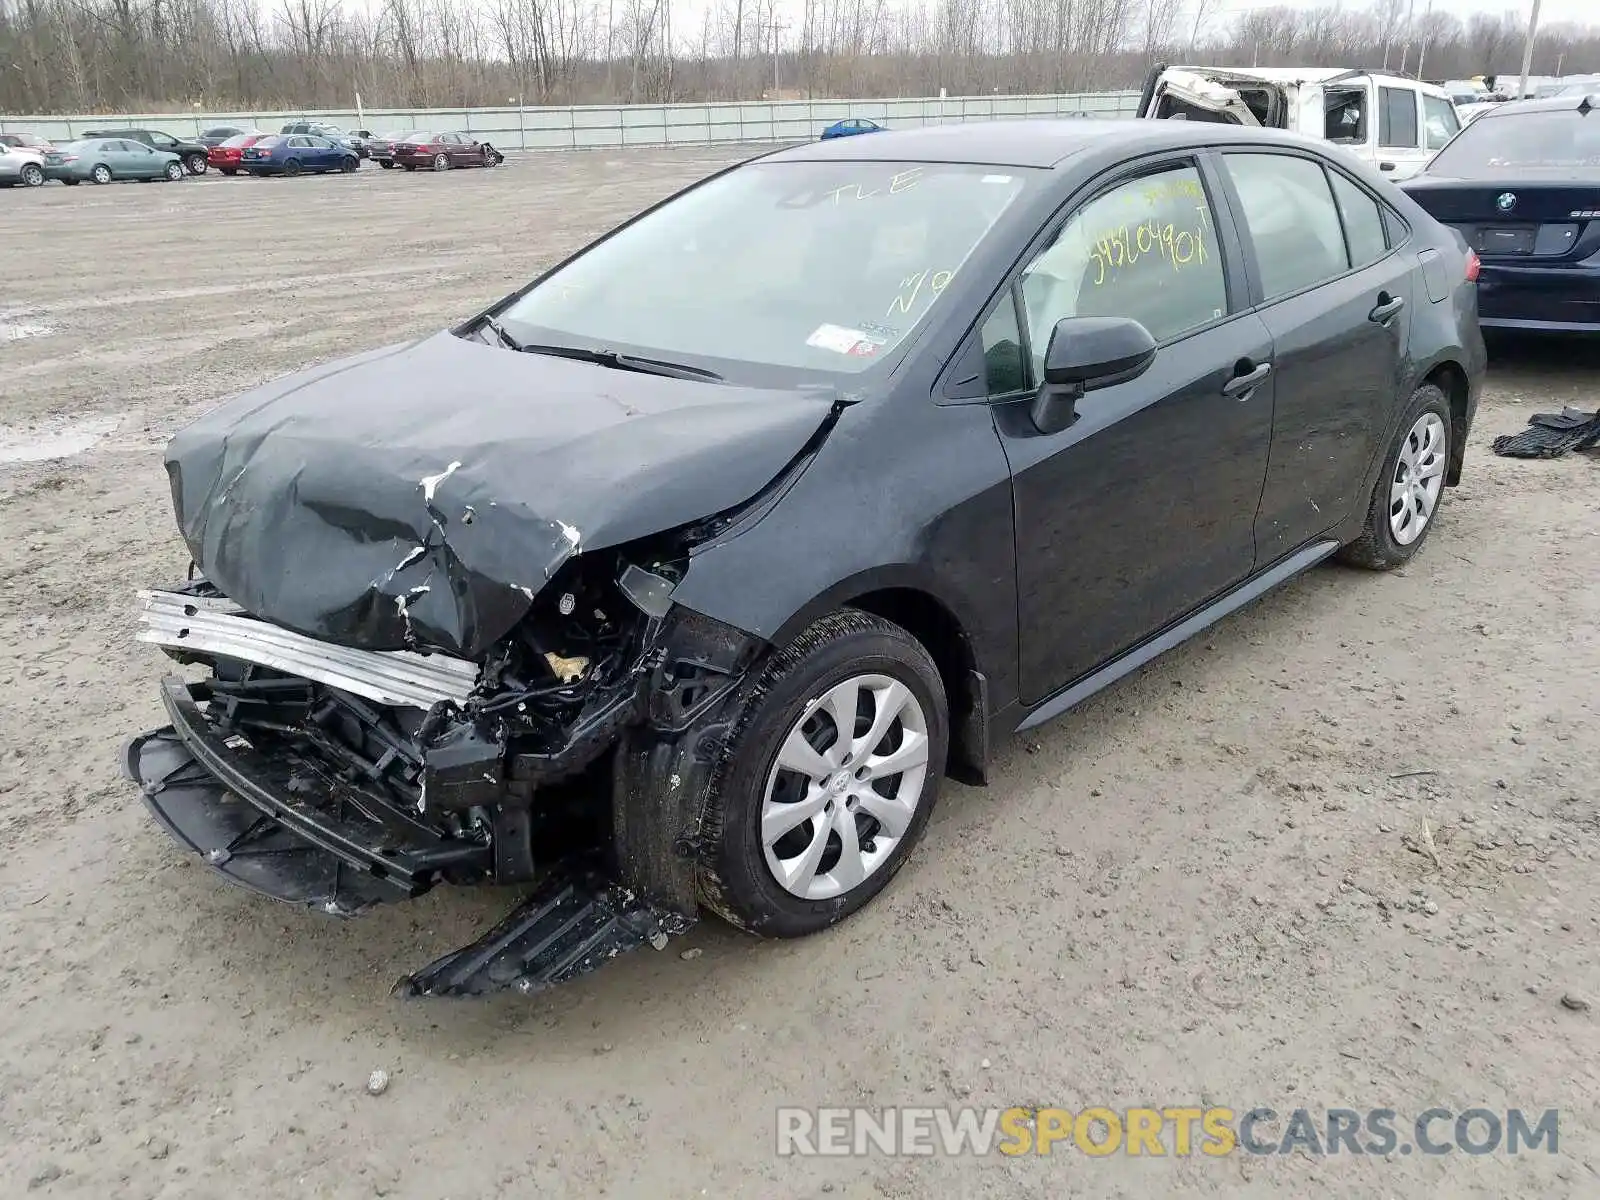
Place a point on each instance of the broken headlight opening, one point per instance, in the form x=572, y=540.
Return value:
x=339, y=778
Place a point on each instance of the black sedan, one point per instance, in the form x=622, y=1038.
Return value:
x=677, y=580
x=1521, y=183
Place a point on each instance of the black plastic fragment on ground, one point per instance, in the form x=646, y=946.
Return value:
x=1550, y=435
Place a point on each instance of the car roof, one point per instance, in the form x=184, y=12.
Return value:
x=1567, y=103
x=1029, y=143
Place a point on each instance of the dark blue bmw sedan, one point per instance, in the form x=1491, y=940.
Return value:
x=1521, y=184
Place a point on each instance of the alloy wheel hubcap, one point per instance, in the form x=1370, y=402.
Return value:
x=1418, y=477
x=845, y=787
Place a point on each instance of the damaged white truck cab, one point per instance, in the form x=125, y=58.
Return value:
x=1392, y=122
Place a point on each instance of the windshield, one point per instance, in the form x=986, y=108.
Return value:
x=1532, y=143
x=813, y=265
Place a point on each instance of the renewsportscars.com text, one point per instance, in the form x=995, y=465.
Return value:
x=1176, y=1131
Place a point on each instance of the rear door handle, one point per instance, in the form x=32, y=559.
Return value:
x=1243, y=384
x=1386, y=166
x=1387, y=306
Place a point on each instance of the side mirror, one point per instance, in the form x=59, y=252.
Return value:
x=1086, y=353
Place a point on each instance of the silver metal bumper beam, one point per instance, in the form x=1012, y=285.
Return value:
x=215, y=626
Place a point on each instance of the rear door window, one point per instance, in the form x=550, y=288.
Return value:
x=1397, y=118
x=1363, y=221
x=1292, y=220
x=1439, y=121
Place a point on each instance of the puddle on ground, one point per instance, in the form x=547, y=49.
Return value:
x=63, y=439
x=15, y=331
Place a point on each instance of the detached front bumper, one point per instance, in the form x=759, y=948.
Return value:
x=252, y=819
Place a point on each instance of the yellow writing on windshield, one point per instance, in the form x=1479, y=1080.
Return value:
x=911, y=288
x=1167, y=242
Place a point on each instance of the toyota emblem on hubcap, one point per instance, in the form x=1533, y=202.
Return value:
x=1505, y=201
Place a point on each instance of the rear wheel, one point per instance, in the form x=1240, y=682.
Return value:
x=386, y=164
x=196, y=163
x=32, y=175
x=72, y=182
x=1409, y=488
x=410, y=166
x=101, y=173
x=828, y=778
x=441, y=162
x=292, y=167
x=173, y=172
x=229, y=170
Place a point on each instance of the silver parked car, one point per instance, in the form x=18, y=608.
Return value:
x=103, y=160
x=20, y=164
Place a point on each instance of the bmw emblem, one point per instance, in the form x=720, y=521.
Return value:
x=1505, y=201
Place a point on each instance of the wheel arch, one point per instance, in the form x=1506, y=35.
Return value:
x=907, y=597
x=1450, y=377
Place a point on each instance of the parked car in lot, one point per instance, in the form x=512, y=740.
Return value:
x=228, y=156
x=191, y=154
x=110, y=160
x=20, y=165
x=850, y=127
x=380, y=147
x=215, y=136
x=295, y=154
x=678, y=578
x=1521, y=184
x=25, y=141
x=323, y=130
x=441, y=151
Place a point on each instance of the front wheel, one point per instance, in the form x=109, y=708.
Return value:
x=1409, y=488
x=386, y=164
x=101, y=173
x=32, y=175
x=441, y=162
x=174, y=172
x=349, y=163
x=196, y=163
x=828, y=778
x=230, y=171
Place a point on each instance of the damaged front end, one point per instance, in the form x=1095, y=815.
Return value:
x=573, y=756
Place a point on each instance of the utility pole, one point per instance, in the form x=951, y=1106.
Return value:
x=1422, y=48
x=1527, y=49
x=777, y=29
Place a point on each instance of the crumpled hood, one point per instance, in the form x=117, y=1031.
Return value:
x=421, y=495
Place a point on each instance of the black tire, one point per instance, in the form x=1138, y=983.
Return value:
x=173, y=172
x=32, y=175
x=410, y=166
x=1377, y=549
x=229, y=170
x=386, y=163
x=441, y=162
x=349, y=163
x=734, y=878
x=101, y=173
x=72, y=182
x=292, y=167
x=196, y=164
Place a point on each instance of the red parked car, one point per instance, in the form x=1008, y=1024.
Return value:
x=441, y=151
x=225, y=155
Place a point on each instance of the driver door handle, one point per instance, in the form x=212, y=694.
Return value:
x=1241, y=385
x=1386, y=307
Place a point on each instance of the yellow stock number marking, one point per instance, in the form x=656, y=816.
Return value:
x=1122, y=247
x=911, y=288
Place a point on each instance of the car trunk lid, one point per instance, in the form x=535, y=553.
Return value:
x=1500, y=219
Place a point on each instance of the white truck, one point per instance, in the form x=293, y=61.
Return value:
x=1392, y=121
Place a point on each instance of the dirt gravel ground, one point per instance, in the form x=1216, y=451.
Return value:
x=1209, y=885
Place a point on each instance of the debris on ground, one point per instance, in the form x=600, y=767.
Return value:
x=1550, y=435
x=1574, y=1002
x=378, y=1082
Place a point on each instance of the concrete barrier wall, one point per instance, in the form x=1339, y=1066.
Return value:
x=611, y=126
